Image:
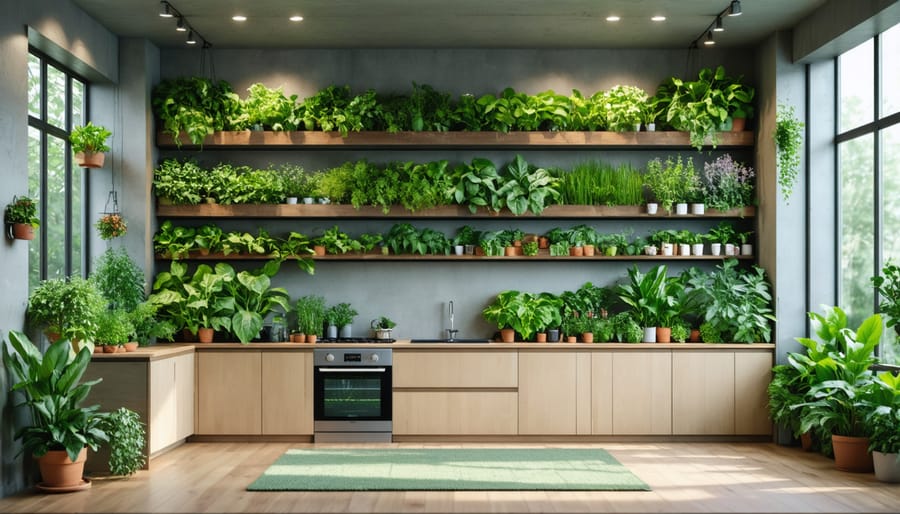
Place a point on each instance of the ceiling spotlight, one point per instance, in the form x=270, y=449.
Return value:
x=190, y=39
x=658, y=18
x=180, y=26
x=718, y=26
x=613, y=18
x=709, y=39
x=296, y=18
x=164, y=10
x=735, y=9
x=239, y=17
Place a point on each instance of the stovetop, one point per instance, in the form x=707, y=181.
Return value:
x=355, y=340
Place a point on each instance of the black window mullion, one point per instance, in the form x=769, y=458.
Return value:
x=879, y=173
x=67, y=162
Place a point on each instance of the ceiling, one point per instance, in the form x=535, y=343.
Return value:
x=448, y=23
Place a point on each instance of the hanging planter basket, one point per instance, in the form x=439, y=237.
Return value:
x=90, y=159
x=111, y=223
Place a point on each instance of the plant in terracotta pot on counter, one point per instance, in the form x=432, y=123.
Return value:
x=21, y=218
x=89, y=143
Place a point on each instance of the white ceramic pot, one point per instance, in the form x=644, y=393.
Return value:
x=308, y=200
x=324, y=201
x=730, y=249
x=887, y=466
x=331, y=332
x=458, y=249
x=649, y=335
x=698, y=209
x=684, y=250
x=681, y=209
x=746, y=249
x=291, y=200
x=347, y=331
x=651, y=127
x=715, y=248
x=652, y=208
x=697, y=249
x=637, y=127
x=668, y=249
x=650, y=250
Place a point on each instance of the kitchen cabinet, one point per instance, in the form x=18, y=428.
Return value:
x=171, y=401
x=642, y=393
x=554, y=393
x=703, y=393
x=229, y=389
x=752, y=374
x=287, y=400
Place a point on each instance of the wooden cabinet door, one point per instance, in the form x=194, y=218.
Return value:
x=184, y=391
x=287, y=393
x=554, y=393
x=162, y=426
x=602, y=393
x=642, y=393
x=703, y=393
x=752, y=374
x=229, y=390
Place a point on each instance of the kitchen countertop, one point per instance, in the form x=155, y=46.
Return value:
x=405, y=344
x=147, y=353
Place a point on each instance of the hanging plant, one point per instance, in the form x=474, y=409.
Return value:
x=788, y=136
x=111, y=225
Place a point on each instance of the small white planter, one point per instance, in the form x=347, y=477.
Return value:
x=681, y=209
x=331, y=332
x=458, y=249
x=887, y=466
x=651, y=127
x=715, y=248
x=649, y=335
x=324, y=201
x=697, y=249
x=668, y=249
x=308, y=200
x=650, y=250
x=652, y=208
x=698, y=209
x=730, y=249
x=747, y=249
x=684, y=250
x=637, y=127
x=291, y=200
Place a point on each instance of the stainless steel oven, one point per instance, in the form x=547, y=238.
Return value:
x=352, y=395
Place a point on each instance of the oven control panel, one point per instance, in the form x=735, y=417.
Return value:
x=352, y=357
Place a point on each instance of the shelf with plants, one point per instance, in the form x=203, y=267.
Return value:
x=301, y=140
x=543, y=255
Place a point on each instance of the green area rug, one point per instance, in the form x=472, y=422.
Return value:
x=475, y=469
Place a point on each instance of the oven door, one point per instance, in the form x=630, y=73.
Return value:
x=352, y=393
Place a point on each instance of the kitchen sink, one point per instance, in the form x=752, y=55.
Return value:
x=457, y=340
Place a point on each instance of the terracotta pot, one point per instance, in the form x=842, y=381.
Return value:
x=587, y=337
x=311, y=338
x=738, y=124
x=319, y=250
x=576, y=251
x=887, y=466
x=109, y=348
x=90, y=159
x=298, y=338
x=58, y=470
x=479, y=251
x=663, y=334
x=695, y=335
x=540, y=337
x=852, y=454
x=510, y=251
x=23, y=231
x=588, y=250
x=543, y=243
x=508, y=335
x=98, y=348
x=806, y=441
x=571, y=339
x=205, y=335
x=131, y=346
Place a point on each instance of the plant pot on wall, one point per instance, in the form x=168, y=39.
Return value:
x=852, y=454
x=23, y=231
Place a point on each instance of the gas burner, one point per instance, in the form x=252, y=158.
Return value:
x=355, y=340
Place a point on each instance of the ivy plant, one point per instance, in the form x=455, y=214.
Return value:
x=788, y=136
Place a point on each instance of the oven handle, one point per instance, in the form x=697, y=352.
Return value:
x=352, y=370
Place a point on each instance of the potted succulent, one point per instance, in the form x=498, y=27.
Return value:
x=21, y=218
x=61, y=429
x=383, y=327
x=67, y=309
x=89, y=143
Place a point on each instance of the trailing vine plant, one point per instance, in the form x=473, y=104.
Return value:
x=788, y=138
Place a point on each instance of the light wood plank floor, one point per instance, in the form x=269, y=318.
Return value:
x=685, y=477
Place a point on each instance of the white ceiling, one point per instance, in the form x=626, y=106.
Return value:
x=449, y=23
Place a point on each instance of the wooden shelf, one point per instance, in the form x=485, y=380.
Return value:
x=247, y=139
x=443, y=212
x=542, y=256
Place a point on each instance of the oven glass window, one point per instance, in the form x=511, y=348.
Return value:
x=346, y=397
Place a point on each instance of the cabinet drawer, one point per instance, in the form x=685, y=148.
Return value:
x=455, y=412
x=449, y=369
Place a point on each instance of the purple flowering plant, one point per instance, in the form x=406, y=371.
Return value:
x=728, y=184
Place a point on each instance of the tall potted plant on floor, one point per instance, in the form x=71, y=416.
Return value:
x=61, y=429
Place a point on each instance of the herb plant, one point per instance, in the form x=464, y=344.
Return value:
x=119, y=278
x=728, y=184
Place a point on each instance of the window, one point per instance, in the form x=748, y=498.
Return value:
x=868, y=146
x=56, y=103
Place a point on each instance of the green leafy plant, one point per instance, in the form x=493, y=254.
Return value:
x=126, y=441
x=22, y=210
x=310, y=314
x=513, y=309
x=728, y=184
x=647, y=295
x=178, y=181
x=89, y=138
x=788, y=136
x=530, y=248
x=671, y=181
x=596, y=183
x=147, y=326
x=111, y=225
x=343, y=314
x=888, y=286
x=270, y=109
x=699, y=107
x=626, y=329
x=69, y=308
x=114, y=328
x=197, y=106
x=526, y=188
x=624, y=107
x=53, y=392
x=254, y=298
x=883, y=418
x=710, y=334
x=477, y=185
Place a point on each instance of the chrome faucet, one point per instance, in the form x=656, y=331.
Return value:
x=451, y=332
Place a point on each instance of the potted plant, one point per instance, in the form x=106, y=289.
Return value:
x=626, y=329
x=21, y=218
x=699, y=107
x=548, y=313
x=61, y=429
x=126, y=441
x=888, y=286
x=293, y=182
x=310, y=317
x=625, y=107
x=383, y=327
x=646, y=295
x=253, y=296
x=512, y=311
x=114, y=329
x=728, y=184
x=671, y=181
x=344, y=314
x=209, y=306
x=719, y=236
x=788, y=136
x=67, y=309
x=882, y=422
x=119, y=278
x=467, y=238
x=147, y=326
x=111, y=225
x=89, y=143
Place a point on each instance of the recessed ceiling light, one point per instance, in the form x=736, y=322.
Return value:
x=239, y=17
x=658, y=18
x=613, y=18
x=296, y=18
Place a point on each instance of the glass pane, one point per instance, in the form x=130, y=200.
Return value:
x=857, y=83
x=34, y=191
x=77, y=103
x=857, y=227
x=352, y=398
x=34, y=86
x=76, y=221
x=56, y=97
x=890, y=144
x=55, y=203
x=890, y=71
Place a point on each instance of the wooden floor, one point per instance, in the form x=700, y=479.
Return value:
x=685, y=477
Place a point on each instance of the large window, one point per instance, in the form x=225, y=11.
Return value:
x=868, y=144
x=56, y=103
